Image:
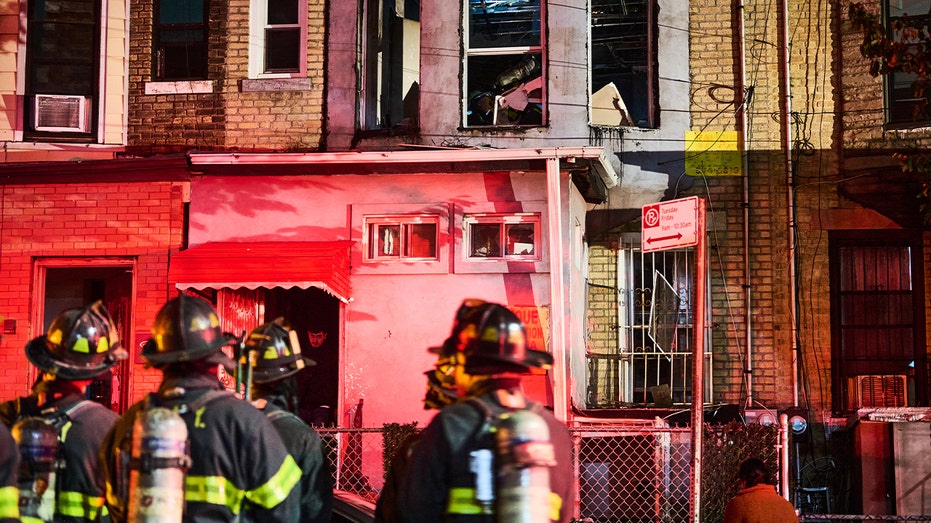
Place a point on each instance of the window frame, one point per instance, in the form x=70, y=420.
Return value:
x=403, y=222
x=159, y=45
x=388, y=98
x=899, y=109
x=469, y=52
x=61, y=62
x=917, y=391
x=607, y=105
x=258, y=30
x=502, y=220
x=364, y=264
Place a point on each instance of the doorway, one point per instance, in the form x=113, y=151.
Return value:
x=314, y=314
x=64, y=284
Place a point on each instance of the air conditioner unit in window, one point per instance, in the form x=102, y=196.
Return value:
x=888, y=390
x=60, y=113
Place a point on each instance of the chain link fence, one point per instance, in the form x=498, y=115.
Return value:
x=628, y=473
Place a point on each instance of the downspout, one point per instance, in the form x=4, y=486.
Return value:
x=785, y=110
x=559, y=374
x=742, y=101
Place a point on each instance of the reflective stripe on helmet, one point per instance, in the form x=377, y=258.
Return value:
x=276, y=489
x=78, y=505
x=462, y=502
x=9, y=502
x=217, y=490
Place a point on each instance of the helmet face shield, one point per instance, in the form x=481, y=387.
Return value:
x=79, y=344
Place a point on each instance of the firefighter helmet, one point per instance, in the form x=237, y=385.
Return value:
x=278, y=351
x=493, y=340
x=79, y=344
x=187, y=328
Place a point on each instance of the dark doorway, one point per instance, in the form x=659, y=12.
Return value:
x=314, y=314
x=68, y=287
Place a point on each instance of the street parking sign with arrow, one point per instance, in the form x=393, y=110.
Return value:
x=670, y=225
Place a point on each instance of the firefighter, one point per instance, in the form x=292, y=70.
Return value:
x=236, y=456
x=463, y=466
x=273, y=352
x=9, y=465
x=80, y=344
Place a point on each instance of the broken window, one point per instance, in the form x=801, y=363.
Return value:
x=511, y=236
x=180, y=40
x=504, y=82
x=622, y=63
x=390, y=64
x=401, y=237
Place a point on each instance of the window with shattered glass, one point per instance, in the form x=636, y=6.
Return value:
x=512, y=236
x=504, y=81
x=622, y=63
x=390, y=63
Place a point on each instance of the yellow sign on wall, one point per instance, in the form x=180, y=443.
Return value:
x=712, y=153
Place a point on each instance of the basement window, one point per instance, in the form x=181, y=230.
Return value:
x=401, y=238
x=502, y=236
x=504, y=80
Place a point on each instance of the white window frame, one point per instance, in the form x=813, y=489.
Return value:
x=403, y=222
x=258, y=17
x=470, y=52
x=503, y=220
x=362, y=214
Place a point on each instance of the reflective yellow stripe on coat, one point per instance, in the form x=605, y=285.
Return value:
x=462, y=501
x=78, y=505
x=219, y=491
x=9, y=502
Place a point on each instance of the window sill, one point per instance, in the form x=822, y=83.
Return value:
x=257, y=85
x=180, y=87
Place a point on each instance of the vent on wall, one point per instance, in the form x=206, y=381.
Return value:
x=881, y=391
x=60, y=113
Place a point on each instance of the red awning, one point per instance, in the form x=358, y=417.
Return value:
x=236, y=265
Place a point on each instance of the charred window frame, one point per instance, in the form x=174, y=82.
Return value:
x=623, y=65
x=390, y=64
x=62, y=63
x=906, y=21
x=180, y=39
x=504, y=81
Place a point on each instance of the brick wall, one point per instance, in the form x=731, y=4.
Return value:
x=137, y=221
x=272, y=115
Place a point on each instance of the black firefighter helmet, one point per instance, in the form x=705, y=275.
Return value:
x=187, y=328
x=278, y=352
x=493, y=340
x=81, y=343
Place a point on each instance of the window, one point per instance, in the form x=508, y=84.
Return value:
x=504, y=81
x=279, y=32
x=390, y=64
x=622, y=63
x=61, y=67
x=651, y=364
x=502, y=236
x=401, y=238
x=180, y=39
x=877, y=321
x=908, y=22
